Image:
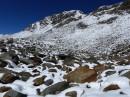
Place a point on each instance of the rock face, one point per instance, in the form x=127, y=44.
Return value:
x=54, y=89
x=125, y=5
x=13, y=93
x=81, y=75
x=111, y=87
x=59, y=19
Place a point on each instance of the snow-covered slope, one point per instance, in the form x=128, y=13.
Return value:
x=100, y=32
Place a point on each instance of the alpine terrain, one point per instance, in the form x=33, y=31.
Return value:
x=70, y=54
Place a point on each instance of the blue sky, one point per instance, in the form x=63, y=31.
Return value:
x=15, y=15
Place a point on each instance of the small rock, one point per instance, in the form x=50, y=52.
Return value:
x=58, y=66
x=36, y=71
x=48, y=65
x=12, y=52
x=122, y=93
x=38, y=91
x=10, y=41
x=52, y=70
x=13, y=93
x=68, y=60
x=88, y=86
x=8, y=78
x=53, y=89
x=111, y=87
x=127, y=74
x=4, y=89
x=36, y=60
x=24, y=76
x=25, y=61
x=99, y=68
x=39, y=81
x=51, y=59
x=108, y=73
x=3, y=49
x=48, y=82
x=41, y=55
x=67, y=69
x=71, y=94
x=5, y=56
x=81, y=25
x=53, y=75
x=3, y=63
x=15, y=59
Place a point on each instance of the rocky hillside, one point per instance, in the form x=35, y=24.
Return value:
x=101, y=32
x=70, y=54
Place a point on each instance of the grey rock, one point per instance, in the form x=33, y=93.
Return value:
x=127, y=74
x=49, y=65
x=5, y=56
x=108, y=73
x=71, y=94
x=52, y=70
x=3, y=63
x=13, y=93
x=15, y=59
x=24, y=76
x=25, y=61
x=39, y=81
x=48, y=82
x=58, y=87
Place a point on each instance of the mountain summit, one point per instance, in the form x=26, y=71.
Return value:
x=56, y=20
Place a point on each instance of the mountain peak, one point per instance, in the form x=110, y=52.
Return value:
x=57, y=20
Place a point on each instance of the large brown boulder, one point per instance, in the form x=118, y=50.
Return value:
x=81, y=75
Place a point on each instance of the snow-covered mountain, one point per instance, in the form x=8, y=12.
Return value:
x=100, y=33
